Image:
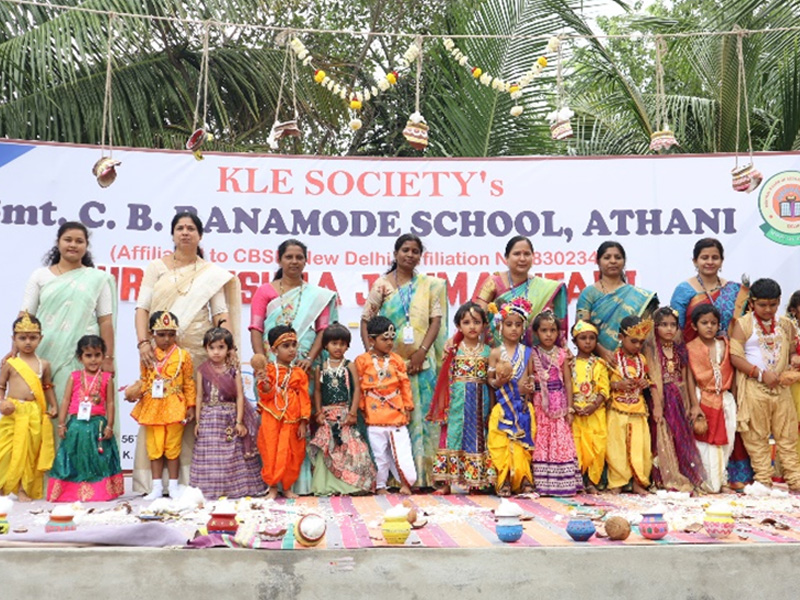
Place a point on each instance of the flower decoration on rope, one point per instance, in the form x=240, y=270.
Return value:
x=514, y=89
x=355, y=98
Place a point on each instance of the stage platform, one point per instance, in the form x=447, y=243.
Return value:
x=455, y=554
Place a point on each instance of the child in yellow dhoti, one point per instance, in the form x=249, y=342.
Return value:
x=793, y=312
x=762, y=349
x=512, y=424
x=26, y=402
x=628, y=453
x=591, y=390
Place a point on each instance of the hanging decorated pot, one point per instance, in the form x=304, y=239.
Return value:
x=560, y=125
x=416, y=131
x=105, y=171
x=663, y=141
x=746, y=178
x=580, y=529
x=653, y=525
x=195, y=142
x=718, y=521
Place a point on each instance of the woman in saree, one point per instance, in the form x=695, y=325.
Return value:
x=707, y=287
x=611, y=299
x=202, y=295
x=730, y=298
x=307, y=308
x=71, y=299
x=417, y=305
x=542, y=293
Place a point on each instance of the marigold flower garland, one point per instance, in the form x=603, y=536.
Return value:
x=514, y=89
x=355, y=98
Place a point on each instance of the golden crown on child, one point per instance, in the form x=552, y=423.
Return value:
x=166, y=322
x=26, y=325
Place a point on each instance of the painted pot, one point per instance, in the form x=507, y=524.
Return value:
x=580, y=529
x=561, y=130
x=662, y=141
x=396, y=529
x=60, y=523
x=746, y=178
x=718, y=522
x=653, y=525
x=4, y=526
x=309, y=530
x=510, y=532
x=222, y=523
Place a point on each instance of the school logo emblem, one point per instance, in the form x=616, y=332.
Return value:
x=779, y=205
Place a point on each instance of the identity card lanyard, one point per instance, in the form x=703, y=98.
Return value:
x=85, y=406
x=158, y=383
x=405, y=300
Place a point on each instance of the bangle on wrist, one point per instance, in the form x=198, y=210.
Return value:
x=760, y=376
x=141, y=342
x=423, y=347
x=109, y=356
x=753, y=371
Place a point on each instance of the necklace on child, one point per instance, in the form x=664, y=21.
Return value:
x=638, y=365
x=283, y=387
x=585, y=387
x=719, y=349
x=89, y=389
x=769, y=342
x=550, y=354
x=669, y=361
x=337, y=373
x=471, y=351
x=383, y=371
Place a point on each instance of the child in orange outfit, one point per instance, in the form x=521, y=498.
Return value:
x=285, y=408
x=387, y=404
x=167, y=402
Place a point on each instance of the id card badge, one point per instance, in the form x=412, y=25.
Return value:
x=85, y=410
x=408, y=334
x=158, y=388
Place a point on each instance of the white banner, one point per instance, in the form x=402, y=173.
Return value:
x=349, y=211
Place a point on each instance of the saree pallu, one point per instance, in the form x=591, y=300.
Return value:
x=606, y=311
x=67, y=312
x=303, y=308
x=730, y=300
x=426, y=295
x=194, y=320
x=540, y=292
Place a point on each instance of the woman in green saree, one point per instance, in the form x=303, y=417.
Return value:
x=611, y=299
x=500, y=288
x=71, y=299
x=416, y=304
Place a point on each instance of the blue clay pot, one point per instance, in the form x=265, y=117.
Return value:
x=580, y=529
x=509, y=533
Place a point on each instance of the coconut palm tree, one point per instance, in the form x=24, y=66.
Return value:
x=617, y=102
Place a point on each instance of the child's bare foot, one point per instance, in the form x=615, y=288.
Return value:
x=638, y=489
x=290, y=494
x=442, y=491
x=272, y=493
x=405, y=490
x=590, y=489
x=22, y=496
x=615, y=490
x=382, y=492
x=726, y=490
x=526, y=487
x=505, y=490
